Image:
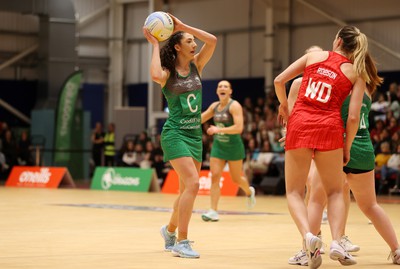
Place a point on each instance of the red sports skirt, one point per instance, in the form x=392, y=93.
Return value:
x=319, y=131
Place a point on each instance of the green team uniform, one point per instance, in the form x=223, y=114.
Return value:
x=226, y=146
x=362, y=155
x=181, y=134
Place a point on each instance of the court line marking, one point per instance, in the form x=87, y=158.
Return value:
x=164, y=209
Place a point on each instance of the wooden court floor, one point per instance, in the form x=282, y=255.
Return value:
x=81, y=228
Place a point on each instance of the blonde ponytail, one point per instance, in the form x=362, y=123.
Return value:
x=372, y=72
x=358, y=57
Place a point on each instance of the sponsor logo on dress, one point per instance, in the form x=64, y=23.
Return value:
x=196, y=121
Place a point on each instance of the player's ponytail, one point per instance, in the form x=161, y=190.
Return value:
x=374, y=79
x=359, y=57
x=355, y=45
x=168, y=53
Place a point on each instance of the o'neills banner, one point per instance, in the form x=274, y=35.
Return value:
x=228, y=188
x=65, y=114
x=125, y=179
x=39, y=177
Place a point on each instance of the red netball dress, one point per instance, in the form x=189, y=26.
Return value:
x=315, y=121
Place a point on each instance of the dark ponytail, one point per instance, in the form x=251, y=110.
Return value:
x=168, y=53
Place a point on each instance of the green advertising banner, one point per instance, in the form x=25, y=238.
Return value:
x=65, y=115
x=124, y=179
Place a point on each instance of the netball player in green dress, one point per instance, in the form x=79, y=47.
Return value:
x=360, y=175
x=178, y=68
x=359, y=171
x=227, y=146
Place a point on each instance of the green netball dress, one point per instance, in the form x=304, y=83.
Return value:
x=226, y=146
x=181, y=134
x=362, y=155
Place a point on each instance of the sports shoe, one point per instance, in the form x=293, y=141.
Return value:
x=169, y=238
x=251, y=200
x=324, y=219
x=211, y=215
x=339, y=253
x=299, y=259
x=395, y=255
x=348, y=245
x=184, y=249
x=313, y=246
x=395, y=189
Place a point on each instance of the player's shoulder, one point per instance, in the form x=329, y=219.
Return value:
x=235, y=105
x=214, y=105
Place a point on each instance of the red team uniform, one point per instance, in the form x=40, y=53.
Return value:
x=315, y=121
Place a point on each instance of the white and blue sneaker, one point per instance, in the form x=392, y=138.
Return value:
x=348, y=245
x=313, y=248
x=339, y=253
x=299, y=259
x=184, y=249
x=395, y=255
x=251, y=200
x=211, y=215
x=169, y=238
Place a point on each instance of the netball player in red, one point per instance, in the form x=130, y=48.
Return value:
x=315, y=129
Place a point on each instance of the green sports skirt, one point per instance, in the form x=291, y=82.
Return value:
x=231, y=151
x=362, y=155
x=181, y=143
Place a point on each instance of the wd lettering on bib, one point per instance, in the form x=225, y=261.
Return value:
x=319, y=91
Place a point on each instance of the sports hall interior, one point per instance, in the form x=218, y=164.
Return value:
x=45, y=41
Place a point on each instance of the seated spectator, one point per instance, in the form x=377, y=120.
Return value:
x=260, y=161
x=148, y=155
x=380, y=107
x=271, y=121
x=384, y=137
x=248, y=105
x=253, y=129
x=381, y=160
x=10, y=148
x=24, y=150
x=393, y=126
x=157, y=141
x=133, y=154
x=395, y=141
x=275, y=136
x=376, y=131
x=3, y=130
x=142, y=139
x=259, y=107
x=392, y=92
x=3, y=166
x=247, y=119
x=395, y=108
x=392, y=168
x=250, y=148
